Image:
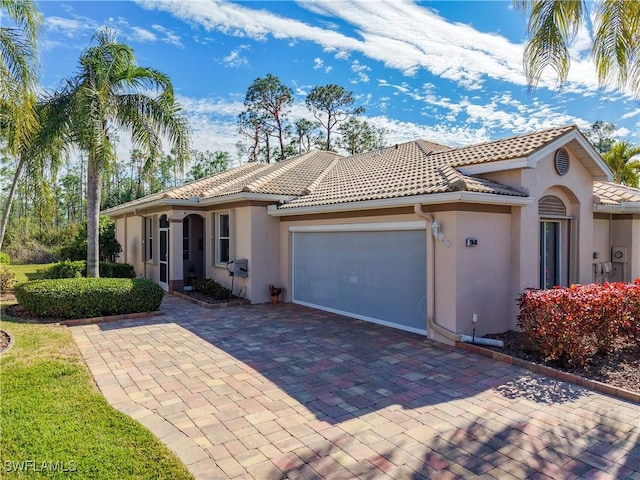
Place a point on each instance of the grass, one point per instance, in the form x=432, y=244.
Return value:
x=29, y=272
x=52, y=414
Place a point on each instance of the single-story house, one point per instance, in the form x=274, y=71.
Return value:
x=417, y=236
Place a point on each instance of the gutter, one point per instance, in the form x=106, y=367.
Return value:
x=429, y=199
x=624, y=207
x=196, y=202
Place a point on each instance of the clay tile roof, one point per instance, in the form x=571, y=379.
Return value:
x=413, y=168
x=289, y=177
x=505, y=149
x=610, y=193
x=295, y=175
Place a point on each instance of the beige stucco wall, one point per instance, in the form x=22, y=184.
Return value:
x=483, y=272
x=254, y=236
x=626, y=233
x=132, y=250
x=576, y=191
x=121, y=237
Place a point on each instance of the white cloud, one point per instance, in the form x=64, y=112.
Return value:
x=318, y=63
x=360, y=70
x=142, y=35
x=631, y=114
x=169, y=36
x=235, y=58
x=70, y=27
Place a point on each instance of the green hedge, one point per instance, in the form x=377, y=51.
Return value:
x=88, y=297
x=76, y=269
x=4, y=258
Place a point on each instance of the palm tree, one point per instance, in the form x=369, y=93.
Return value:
x=110, y=93
x=625, y=169
x=552, y=25
x=18, y=78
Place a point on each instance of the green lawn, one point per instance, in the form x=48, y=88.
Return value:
x=29, y=272
x=51, y=414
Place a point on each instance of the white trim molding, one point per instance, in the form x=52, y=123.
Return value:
x=361, y=227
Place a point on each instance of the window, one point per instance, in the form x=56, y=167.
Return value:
x=148, y=238
x=223, y=238
x=185, y=239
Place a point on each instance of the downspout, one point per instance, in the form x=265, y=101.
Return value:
x=432, y=325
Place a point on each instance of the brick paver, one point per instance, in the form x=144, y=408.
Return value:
x=283, y=391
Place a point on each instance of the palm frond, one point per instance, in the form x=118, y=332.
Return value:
x=616, y=46
x=552, y=26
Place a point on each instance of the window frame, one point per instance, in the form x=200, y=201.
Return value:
x=186, y=238
x=219, y=238
x=149, y=223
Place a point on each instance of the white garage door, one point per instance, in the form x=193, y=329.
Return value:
x=374, y=272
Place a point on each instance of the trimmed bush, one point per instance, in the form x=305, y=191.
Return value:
x=69, y=269
x=88, y=297
x=66, y=269
x=7, y=278
x=4, y=258
x=571, y=325
x=115, y=270
x=212, y=289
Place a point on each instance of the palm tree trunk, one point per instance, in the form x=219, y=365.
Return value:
x=94, y=189
x=12, y=192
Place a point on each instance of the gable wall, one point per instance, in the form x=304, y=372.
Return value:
x=576, y=191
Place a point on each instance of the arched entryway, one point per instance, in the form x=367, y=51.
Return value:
x=193, y=248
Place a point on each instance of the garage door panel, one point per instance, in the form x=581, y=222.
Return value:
x=375, y=275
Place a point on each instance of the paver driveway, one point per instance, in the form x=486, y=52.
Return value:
x=283, y=391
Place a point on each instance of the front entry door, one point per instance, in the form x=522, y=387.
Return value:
x=163, y=261
x=553, y=253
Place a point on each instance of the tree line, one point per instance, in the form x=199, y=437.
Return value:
x=269, y=134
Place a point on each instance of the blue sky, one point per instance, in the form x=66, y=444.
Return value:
x=449, y=72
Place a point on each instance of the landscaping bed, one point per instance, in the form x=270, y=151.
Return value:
x=619, y=368
x=200, y=298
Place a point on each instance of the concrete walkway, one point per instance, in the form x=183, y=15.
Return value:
x=283, y=391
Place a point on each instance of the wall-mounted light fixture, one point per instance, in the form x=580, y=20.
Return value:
x=435, y=229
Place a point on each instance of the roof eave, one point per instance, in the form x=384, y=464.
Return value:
x=184, y=203
x=624, y=207
x=430, y=199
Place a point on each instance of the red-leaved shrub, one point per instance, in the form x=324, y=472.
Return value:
x=570, y=325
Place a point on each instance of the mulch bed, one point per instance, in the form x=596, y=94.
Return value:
x=17, y=312
x=206, y=298
x=620, y=368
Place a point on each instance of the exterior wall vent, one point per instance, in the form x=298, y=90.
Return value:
x=562, y=161
x=550, y=205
